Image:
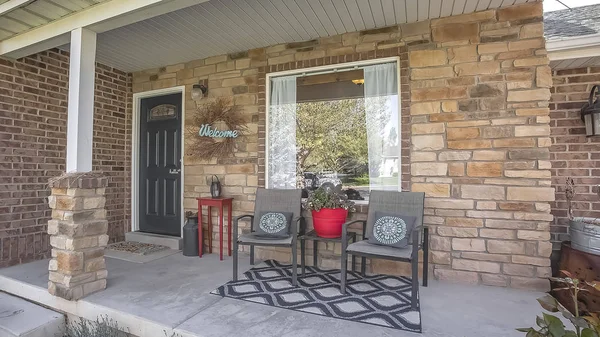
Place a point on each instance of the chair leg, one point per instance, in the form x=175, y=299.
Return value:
x=344, y=271
x=294, y=264
x=235, y=260
x=415, y=282
x=303, y=256
x=425, y=257
x=251, y=255
x=363, y=266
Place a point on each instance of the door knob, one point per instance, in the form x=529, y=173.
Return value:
x=174, y=171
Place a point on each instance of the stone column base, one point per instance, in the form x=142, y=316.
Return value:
x=78, y=235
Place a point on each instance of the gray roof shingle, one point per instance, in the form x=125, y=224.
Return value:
x=567, y=23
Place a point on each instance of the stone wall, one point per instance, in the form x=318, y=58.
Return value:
x=475, y=134
x=33, y=119
x=573, y=154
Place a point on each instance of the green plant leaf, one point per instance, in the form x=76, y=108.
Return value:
x=524, y=329
x=549, y=303
x=555, y=325
x=540, y=322
x=570, y=334
x=588, y=333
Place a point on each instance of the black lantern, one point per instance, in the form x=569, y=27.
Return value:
x=215, y=187
x=590, y=114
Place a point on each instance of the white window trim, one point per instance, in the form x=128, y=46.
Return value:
x=308, y=71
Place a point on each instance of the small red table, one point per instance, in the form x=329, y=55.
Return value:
x=220, y=203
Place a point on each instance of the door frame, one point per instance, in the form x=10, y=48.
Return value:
x=135, y=151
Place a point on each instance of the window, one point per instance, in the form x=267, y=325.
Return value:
x=163, y=111
x=338, y=126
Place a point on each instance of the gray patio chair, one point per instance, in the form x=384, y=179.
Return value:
x=405, y=203
x=271, y=200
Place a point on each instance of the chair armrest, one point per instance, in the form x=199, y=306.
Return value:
x=345, y=231
x=298, y=225
x=416, y=235
x=296, y=222
x=235, y=223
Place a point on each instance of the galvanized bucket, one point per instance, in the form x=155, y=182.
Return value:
x=585, y=234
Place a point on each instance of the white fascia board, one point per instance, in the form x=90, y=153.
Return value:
x=574, y=47
x=99, y=18
x=12, y=4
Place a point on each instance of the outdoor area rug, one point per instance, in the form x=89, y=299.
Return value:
x=375, y=299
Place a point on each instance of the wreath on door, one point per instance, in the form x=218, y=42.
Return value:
x=216, y=126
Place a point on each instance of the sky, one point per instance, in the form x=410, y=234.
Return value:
x=553, y=5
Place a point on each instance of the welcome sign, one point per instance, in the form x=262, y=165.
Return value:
x=215, y=128
x=206, y=130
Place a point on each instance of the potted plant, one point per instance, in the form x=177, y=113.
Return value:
x=586, y=324
x=330, y=208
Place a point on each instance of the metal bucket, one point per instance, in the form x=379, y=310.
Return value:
x=585, y=234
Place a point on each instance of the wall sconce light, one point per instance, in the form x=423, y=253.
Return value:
x=590, y=114
x=198, y=91
x=359, y=81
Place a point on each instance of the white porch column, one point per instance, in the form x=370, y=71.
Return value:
x=80, y=123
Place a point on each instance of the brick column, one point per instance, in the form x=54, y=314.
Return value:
x=78, y=235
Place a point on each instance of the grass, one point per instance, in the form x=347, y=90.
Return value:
x=102, y=327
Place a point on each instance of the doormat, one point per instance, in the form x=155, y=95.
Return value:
x=375, y=299
x=136, y=247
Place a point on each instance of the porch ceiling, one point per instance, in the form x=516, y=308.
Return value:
x=220, y=27
x=575, y=63
x=31, y=14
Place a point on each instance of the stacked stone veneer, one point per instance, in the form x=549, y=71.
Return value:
x=475, y=134
x=78, y=234
x=572, y=153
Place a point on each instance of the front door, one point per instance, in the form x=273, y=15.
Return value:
x=160, y=165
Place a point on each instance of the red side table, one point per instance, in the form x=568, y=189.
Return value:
x=220, y=203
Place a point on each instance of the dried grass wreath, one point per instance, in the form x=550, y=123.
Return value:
x=219, y=113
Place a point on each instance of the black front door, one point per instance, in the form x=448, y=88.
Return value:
x=160, y=165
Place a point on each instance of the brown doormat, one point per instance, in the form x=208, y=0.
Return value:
x=136, y=247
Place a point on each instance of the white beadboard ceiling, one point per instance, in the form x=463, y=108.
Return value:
x=38, y=13
x=226, y=26
x=576, y=63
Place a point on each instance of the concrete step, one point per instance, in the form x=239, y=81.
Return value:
x=20, y=318
x=172, y=242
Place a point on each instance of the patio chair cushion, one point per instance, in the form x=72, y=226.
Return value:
x=364, y=247
x=391, y=229
x=272, y=224
x=254, y=240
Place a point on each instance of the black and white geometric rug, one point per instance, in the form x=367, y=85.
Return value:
x=375, y=299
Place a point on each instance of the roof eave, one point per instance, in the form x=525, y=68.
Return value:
x=573, y=47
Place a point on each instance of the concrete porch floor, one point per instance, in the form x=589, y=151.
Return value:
x=171, y=295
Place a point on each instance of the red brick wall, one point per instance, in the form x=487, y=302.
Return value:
x=33, y=119
x=572, y=153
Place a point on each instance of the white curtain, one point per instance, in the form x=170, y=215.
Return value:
x=383, y=136
x=282, y=133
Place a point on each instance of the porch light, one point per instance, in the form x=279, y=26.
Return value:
x=360, y=81
x=590, y=114
x=198, y=91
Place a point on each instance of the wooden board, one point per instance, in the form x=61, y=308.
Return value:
x=584, y=266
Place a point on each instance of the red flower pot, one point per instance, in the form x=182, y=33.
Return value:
x=328, y=222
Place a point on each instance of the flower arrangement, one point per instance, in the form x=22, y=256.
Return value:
x=325, y=197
